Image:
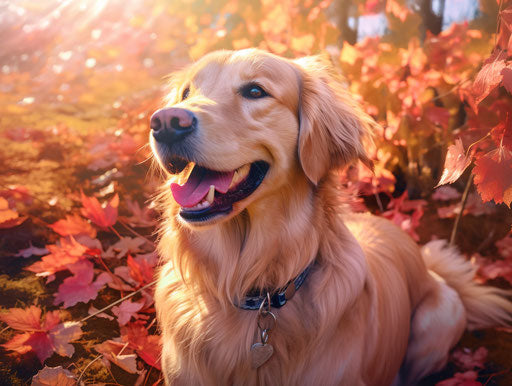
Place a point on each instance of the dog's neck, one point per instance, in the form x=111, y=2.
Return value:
x=265, y=246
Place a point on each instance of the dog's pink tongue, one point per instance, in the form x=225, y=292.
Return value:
x=198, y=184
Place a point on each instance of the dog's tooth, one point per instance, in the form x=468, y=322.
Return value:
x=244, y=171
x=211, y=194
x=234, y=180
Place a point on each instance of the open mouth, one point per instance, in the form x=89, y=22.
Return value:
x=207, y=193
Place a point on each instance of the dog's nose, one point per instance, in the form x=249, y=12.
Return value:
x=172, y=124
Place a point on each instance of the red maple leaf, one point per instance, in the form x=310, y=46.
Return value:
x=148, y=347
x=80, y=287
x=73, y=225
x=493, y=176
x=44, y=337
x=140, y=270
x=103, y=216
x=456, y=162
x=126, y=311
x=67, y=252
x=489, y=77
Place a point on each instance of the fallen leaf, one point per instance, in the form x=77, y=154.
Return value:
x=126, y=311
x=52, y=376
x=32, y=251
x=24, y=319
x=67, y=251
x=140, y=217
x=148, y=347
x=140, y=270
x=103, y=216
x=119, y=354
x=124, y=246
x=42, y=338
x=64, y=333
x=73, y=225
x=80, y=287
x=8, y=217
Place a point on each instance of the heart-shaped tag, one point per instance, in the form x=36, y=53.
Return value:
x=260, y=353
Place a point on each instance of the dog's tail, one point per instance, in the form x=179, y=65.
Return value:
x=485, y=306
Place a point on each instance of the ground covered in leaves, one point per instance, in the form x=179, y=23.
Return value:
x=77, y=226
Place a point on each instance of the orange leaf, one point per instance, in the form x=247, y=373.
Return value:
x=73, y=225
x=69, y=251
x=103, y=217
x=8, y=217
x=28, y=319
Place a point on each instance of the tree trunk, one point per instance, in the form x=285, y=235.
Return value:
x=432, y=21
x=345, y=10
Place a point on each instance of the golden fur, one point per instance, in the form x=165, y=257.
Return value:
x=370, y=313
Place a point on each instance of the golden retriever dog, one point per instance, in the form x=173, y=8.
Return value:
x=267, y=277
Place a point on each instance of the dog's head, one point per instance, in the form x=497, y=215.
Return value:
x=239, y=125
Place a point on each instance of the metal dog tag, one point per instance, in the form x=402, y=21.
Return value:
x=260, y=353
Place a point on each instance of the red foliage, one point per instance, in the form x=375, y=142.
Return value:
x=73, y=225
x=43, y=337
x=493, y=176
x=102, y=216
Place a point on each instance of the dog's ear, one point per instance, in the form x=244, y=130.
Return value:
x=333, y=129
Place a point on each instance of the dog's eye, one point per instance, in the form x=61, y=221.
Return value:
x=185, y=93
x=253, y=91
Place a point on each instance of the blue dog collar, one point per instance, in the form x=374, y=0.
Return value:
x=279, y=298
